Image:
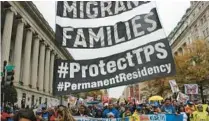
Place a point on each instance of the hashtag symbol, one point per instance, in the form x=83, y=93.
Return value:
x=63, y=70
x=60, y=86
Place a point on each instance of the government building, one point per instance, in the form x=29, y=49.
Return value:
x=28, y=43
x=194, y=25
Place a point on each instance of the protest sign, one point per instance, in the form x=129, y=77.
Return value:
x=182, y=97
x=72, y=100
x=174, y=86
x=191, y=89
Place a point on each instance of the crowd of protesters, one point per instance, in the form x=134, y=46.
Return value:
x=191, y=111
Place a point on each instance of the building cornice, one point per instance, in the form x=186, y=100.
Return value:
x=185, y=30
x=42, y=24
x=180, y=23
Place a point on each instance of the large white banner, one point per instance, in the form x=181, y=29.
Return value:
x=130, y=30
x=191, y=89
x=174, y=86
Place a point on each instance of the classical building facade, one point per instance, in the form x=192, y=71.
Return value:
x=194, y=25
x=28, y=43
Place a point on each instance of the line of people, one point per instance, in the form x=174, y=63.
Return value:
x=190, y=111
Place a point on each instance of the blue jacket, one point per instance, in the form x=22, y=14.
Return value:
x=114, y=111
x=169, y=109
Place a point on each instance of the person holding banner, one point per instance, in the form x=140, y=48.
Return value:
x=182, y=111
x=189, y=109
x=109, y=111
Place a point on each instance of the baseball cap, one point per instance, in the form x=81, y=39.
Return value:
x=106, y=104
x=110, y=114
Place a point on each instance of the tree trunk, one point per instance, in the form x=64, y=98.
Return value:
x=201, y=92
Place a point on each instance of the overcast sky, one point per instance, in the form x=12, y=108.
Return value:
x=170, y=13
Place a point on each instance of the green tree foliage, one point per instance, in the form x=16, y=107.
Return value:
x=191, y=67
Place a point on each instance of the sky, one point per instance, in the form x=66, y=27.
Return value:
x=170, y=13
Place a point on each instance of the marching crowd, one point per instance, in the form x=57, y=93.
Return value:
x=191, y=111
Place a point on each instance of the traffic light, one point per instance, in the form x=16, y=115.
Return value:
x=9, y=78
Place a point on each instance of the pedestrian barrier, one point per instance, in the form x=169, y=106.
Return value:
x=153, y=117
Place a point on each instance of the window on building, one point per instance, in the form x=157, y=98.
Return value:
x=203, y=3
x=207, y=32
x=23, y=96
x=39, y=100
x=193, y=3
x=204, y=18
x=176, y=53
x=46, y=100
x=23, y=101
x=189, y=40
x=202, y=21
x=199, y=8
x=184, y=47
x=195, y=27
x=193, y=15
x=32, y=100
x=204, y=34
x=180, y=51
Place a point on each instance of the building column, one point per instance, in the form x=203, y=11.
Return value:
x=18, y=50
x=7, y=33
x=51, y=72
x=47, y=71
x=35, y=55
x=41, y=66
x=27, y=57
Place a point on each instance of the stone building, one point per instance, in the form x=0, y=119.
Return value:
x=194, y=25
x=28, y=43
